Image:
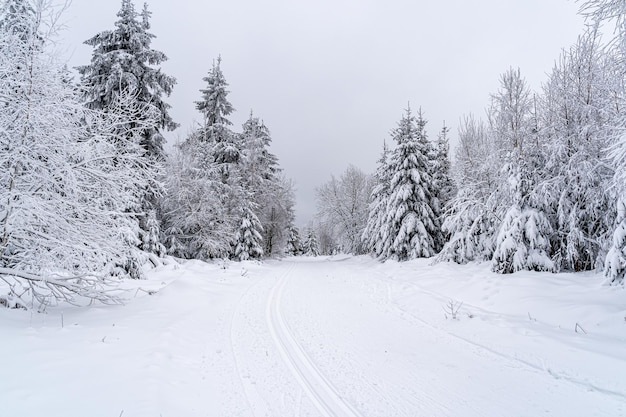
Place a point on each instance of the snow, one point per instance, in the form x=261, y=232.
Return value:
x=325, y=336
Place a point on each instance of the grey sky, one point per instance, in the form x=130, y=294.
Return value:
x=331, y=78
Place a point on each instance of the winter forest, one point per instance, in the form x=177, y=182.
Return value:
x=90, y=196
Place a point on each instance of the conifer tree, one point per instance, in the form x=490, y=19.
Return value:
x=294, y=242
x=204, y=187
x=123, y=63
x=444, y=186
x=411, y=222
x=248, y=239
x=373, y=236
x=310, y=246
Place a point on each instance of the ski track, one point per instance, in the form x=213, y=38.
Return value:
x=315, y=385
x=254, y=400
x=542, y=368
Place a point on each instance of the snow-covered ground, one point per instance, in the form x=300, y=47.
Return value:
x=324, y=336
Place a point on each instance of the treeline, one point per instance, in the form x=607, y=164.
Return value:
x=88, y=193
x=537, y=185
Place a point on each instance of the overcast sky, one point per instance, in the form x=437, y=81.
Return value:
x=331, y=78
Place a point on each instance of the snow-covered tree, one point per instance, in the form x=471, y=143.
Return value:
x=294, y=242
x=265, y=186
x=444, y=186
x=310, y=245
x=65, y=218
x=411, y=222
x=197, y=223
x=373, y=237
x=215, y=109
x=523, y=241
x=471, y=219
x=580, y=99
x=123, y=62
x=614, y=11
x=342, y=206
x=248, y=240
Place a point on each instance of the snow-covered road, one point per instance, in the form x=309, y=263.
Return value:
x=322, y=337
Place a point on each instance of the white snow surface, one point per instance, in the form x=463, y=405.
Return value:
x=326, y=336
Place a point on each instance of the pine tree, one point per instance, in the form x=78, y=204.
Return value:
x=373, y=237
x=123, y=63
x=310, y=247
x=294, y=242
x=411, y=223
x=444, y=186
x=204, y=184
x=265, y=186
x=215, y=109
x=248, y=239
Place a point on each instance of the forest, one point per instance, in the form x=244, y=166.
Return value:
x=89, y=195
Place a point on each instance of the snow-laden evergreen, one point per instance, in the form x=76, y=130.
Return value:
x=444, y=186
x=373, y=236
x=218, y=180
x=294, y=242
x=265, y=185
x=411, y=220
x=124, y=63
x=248, y=240
x=123, y=60
x=310, y=245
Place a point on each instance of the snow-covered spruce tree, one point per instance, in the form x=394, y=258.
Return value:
x=124, y=61
x=248, y=240
x=444, y=186
x=581, y=98
x=64, y=223
x=342, y=207
x=265, y=186
x=373, y=237
x=204, y=187
x=294, y=242
x=470, y=220
x=411, y=222
x=215, y=109
x=523, y=241
x=310, y=246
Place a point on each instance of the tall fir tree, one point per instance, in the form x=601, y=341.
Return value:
x=123, y=63
x=310, y=246
x=373, y=237
x=411, y=222
x=123, y=60
x=248, y=240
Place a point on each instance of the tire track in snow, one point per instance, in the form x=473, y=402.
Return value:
x=318, y=389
